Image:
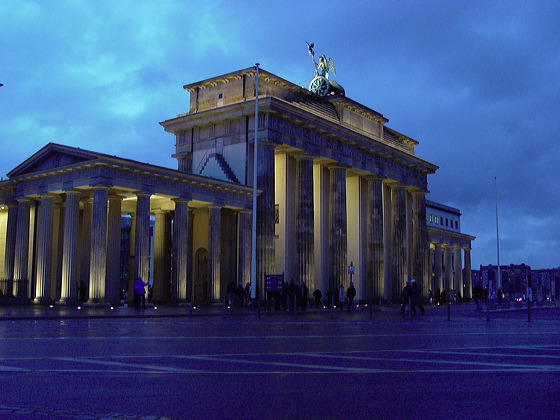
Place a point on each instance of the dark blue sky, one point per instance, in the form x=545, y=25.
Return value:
x=475, y=82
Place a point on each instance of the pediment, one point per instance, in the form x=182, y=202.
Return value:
x=50, y=157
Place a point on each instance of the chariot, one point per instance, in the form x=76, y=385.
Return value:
x=321, y=85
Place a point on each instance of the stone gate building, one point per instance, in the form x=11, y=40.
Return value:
x=336, y=186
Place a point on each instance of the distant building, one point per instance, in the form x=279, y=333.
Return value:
x=447, y=247
x=515, y=279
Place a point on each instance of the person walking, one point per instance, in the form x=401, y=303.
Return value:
x=405, y=296
x=416, y=296
x=317, y=295
x=351, y=294
x=140, y=293
x=341, y=297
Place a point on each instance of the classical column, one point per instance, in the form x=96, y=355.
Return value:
x=467, y=274
x=214, y=244
x=337, y=228
x=162, y=260
x=399, y=242
x=438, y=281
x=420, y=246
x=142, y=237
x=44, y=249
x=245, y=228
x=11, y=235
x=374, y=239
x=180, y=251
x=98, y=256
x=85, y=244
x=305, y=220
x=458, y=271
x=265, y=213
x=448, y=269
x=21, y=255
x=113, y=280
x=69, y=286
x=131, y=259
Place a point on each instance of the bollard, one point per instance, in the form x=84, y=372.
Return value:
x=371, y=308
x=332, y=307
x=528, y=310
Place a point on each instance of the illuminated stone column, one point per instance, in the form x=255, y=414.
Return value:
x=399, y=241
x=467, y=272
x=98, y=256
x=337, y=228
x=69, y=286
x=162, y=257
x=458, y=271
x=448, y=269
x=245, y=228
x=44, y=249
x=265, y=213
x=21, y=256
x=438, y=281
x=113, y=281
x=180, y=252
x=420, y=246
x=305, y=220
x=374, y=235
x=11, y=235
x=85, y=242
x=214, y=245
x=142, y=237
x=131, y=259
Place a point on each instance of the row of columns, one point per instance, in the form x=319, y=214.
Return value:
x=395, y=233
x=452, y=275
x=92, y=252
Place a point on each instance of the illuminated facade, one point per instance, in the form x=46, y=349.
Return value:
x=336, y=186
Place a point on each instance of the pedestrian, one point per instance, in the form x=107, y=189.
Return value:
x=240, y=296
x=292, y=295
x=82, y=290
x=231, y=293
x=416, y=296
x=317, y=295
x=478, y=295
x=304, y=293
x=341, y=297
x=140, y=293
x=350, y=294
x=405, y=296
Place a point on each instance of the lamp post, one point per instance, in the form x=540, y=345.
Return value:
x=255, y=163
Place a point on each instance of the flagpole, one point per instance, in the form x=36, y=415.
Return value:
x=499, y=279
x=255, y=171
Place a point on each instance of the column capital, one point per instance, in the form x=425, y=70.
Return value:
x=373, y=177
x=300, y=155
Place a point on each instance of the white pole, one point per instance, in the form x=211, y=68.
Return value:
x=499, y=279
x=255, y=160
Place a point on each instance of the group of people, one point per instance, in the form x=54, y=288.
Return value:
x=238, y=295
x=341, y=297
x=411, y=296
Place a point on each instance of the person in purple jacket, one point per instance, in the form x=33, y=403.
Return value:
x=140, y=293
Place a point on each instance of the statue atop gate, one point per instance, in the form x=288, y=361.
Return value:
x=321, y=85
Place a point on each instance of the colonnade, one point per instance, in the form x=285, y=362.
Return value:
x=56, y=241
x=340, y=217
x=449, y=270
